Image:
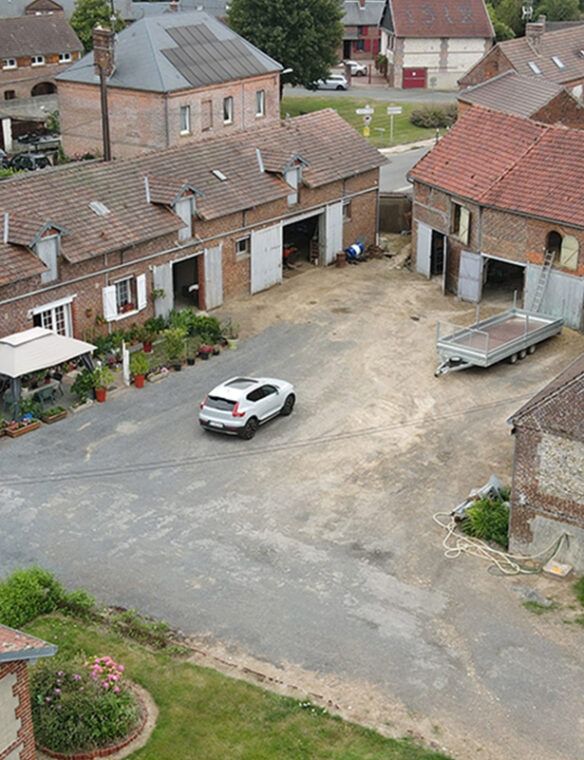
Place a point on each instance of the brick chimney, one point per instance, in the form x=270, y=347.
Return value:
x=533, y=33
x=361, y=4
x=103, y=50
x=173, y=7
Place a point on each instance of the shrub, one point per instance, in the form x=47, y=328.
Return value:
x=26, y=594
x=434, y=116
x=132, y=624
x=83, y=386
x=139, y=364
x=488, y=519
x=579, y=589
x=79, y=706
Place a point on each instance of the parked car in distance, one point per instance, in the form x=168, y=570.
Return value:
x=241, y=404
x=29, y=161
x=357, y=69
x=332, y=82
x=4, y=160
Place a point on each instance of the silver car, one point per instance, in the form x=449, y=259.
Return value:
x=333, y=82
x=240, y=405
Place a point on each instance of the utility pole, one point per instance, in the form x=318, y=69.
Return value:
x=107, y=147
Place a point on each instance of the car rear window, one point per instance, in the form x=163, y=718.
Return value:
x=216, y=402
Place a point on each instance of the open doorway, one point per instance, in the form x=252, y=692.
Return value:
x=301, y=244
x=502, y=279
x=185, y=283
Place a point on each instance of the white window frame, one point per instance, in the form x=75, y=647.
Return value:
x=10, y=63
x=57, y=313
x=228, y=110
x=243, y=247
x=65, y=58
x=112, y=296
x=260, y=103
x=37, y=60
x=185, y=120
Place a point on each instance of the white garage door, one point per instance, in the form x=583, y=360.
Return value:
x=424, y=249
x=266, y=258
x=334, y=231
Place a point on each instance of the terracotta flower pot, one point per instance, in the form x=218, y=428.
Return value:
x=100, y=394
x=139, y=380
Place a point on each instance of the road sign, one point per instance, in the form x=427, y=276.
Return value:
x=367, y=119
x=394, y=110
x=367, y=111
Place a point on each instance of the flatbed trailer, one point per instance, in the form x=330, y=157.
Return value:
x=510, y=335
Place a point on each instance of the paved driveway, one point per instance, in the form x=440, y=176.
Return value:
x=311, y=550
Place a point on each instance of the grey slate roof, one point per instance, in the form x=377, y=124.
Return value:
x=177, y=51
x=37, y=35
x=512, y=93
x=366, y=15
x=330, y=148
x=127, y=9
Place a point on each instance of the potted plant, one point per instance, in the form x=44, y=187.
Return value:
x=139, y=366
x=230, y=330
x=53, y=414
x=101, y=377
x=174, y=344
x=146, y=334
x=205, y=351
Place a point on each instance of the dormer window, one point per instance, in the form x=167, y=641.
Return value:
x=260, y=103
x=184, y=209
x=293, y=178
x=47, y=249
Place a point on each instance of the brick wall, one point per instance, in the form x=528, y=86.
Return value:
x=23, y=79
x=16, y=731
x=143, y=121
x=492, y=64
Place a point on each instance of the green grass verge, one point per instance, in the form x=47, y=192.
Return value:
x=205, y=715
x=403, y=130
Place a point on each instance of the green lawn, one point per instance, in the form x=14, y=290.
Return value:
x=207, y=716
x=403, y=131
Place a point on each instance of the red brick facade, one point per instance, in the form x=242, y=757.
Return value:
x=23, y=745
x=21, y=82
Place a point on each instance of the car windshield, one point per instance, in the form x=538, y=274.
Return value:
x=216, y=402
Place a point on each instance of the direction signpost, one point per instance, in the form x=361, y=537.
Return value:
x=366, y=112
x=391, y=112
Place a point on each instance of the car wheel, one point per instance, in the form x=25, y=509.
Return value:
x=340, y=87
x=249, y=430
x=288, y=405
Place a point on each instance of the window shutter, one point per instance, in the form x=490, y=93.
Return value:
x=141, y=291
x=569, y=252
x=110, y=309
x=366, y=45
x=463, y=232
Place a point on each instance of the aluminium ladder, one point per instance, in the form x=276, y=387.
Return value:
x=542, y=282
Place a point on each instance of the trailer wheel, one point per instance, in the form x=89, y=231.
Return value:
x=522, y=354
x=531, y=349
x=512, y=358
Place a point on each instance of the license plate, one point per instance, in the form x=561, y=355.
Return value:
x=215, y=424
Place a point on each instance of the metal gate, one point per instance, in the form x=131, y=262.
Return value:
x=470, y=276
x=213, y=277
x=413, y=78
x=424, y=249
x=266, y=258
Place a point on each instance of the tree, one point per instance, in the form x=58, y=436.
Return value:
x=88, y=14
x=502, y=31
x=302, y=35
x=559, y=10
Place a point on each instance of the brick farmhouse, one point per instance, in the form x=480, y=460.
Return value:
x=84, y=244
x=491, y=198
x=170, y=79
x=17, y=650
x=547, y=494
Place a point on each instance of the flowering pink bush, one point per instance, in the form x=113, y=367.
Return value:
x=105, y=671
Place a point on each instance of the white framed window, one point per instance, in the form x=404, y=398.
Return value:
x=38, y=60
x=9, y=63
x=242, y=247
x=228, y=110
x=47, y=249
x=124, y=297
x=260, y=103
x=65, y=58
x=461, y=223
x=55, y=316
x=185, y=120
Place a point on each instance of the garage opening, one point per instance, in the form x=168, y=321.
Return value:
x=300, y=245
x=185, y=283
x=501, y=279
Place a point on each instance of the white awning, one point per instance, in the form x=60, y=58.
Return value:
x=35, y=349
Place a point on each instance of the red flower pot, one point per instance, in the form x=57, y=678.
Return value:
x=100, y=394
x=139, y=380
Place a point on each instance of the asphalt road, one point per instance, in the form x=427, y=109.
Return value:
x=312, y=548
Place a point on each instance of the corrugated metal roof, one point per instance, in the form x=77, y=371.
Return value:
x=177, y=51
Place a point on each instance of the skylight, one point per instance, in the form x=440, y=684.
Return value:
x=559, y=63
x=219, y=175
x=534, y=67
x=99, y=208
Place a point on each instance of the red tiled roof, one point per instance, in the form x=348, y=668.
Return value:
x=15, y=645
x=332, y=149
x=440, y=18
x=515, y=164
